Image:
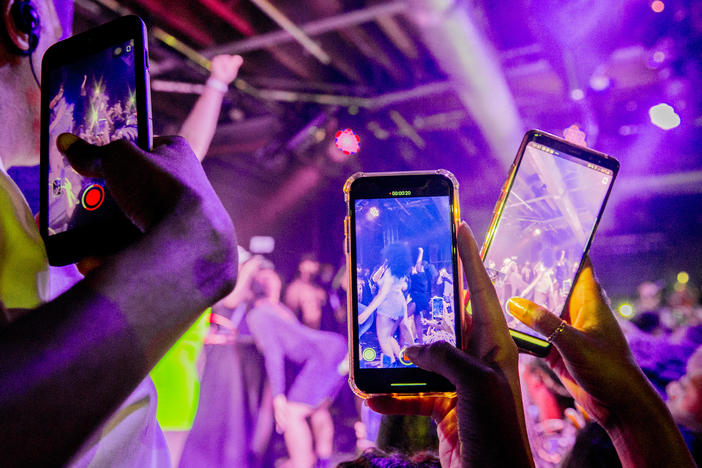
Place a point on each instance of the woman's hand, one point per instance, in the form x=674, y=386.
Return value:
x=593, y=360
x=590, y=350
x=483, y=424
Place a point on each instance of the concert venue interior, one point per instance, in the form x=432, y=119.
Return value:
x=429, y=84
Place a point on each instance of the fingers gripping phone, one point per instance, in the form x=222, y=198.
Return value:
x=94, y=85
x=543, y=225
x=404, y=281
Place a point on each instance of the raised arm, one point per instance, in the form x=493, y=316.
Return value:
x=74, y=360
x=418, y=264
x=242, y=290
x=200, y=125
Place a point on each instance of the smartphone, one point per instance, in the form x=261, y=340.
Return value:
x=543, y=225
x=404, y=280
x=95, y=85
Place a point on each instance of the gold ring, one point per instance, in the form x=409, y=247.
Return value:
x=559, y=329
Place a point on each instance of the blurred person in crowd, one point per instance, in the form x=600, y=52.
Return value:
x=685, y=403
x=304, y=297
x=234, y=421
x=68, y=364
x=390, y=303
x=175, y=376
x=280, y=337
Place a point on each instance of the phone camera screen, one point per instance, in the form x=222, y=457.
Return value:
x=93, y=97
x=548, y=218
x=404, y=277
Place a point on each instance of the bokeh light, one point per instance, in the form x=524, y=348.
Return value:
x=657, y=6
x=626, y=310
x=683, y=277
x=663, y=115
x=577, y=94
x=373, y=213
x=347, y=141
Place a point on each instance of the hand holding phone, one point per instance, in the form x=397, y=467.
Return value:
x=543, y=225
x=401, y=229
x=94, y=85
x=487, y=417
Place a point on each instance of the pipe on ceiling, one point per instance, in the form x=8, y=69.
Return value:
x=467, y=57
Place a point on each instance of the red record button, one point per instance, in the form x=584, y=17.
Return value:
x=93, y=196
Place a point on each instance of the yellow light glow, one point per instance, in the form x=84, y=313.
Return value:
x=683, y=277
x=626, y=310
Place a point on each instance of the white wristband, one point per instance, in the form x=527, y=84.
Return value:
x=220, y=86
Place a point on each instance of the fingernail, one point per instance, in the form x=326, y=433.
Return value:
x=65, y=141
x=518, y=306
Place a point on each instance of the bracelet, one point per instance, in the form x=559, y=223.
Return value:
x=219, y=85
x=560, y=329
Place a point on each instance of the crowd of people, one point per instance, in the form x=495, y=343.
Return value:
x=548, y=285
x=75, y=361
x=413, y=301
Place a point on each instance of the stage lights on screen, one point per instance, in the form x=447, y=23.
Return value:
x=663, y=115
x=373, y=213
x=657, y=6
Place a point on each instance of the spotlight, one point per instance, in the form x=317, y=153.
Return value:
x=663, y=115
x=577, y=94
x=657, y=6
x=537, y=232
x=373, y=213
x=600, y=82
x=347, y=141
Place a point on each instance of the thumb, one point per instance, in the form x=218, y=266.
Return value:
x=447, y=361
x=81, y=154
x=540, y=319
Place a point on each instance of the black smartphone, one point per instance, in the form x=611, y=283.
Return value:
x=543, y=225
x=404, y=282
x=95, y=85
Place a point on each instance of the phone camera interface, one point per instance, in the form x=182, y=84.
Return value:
x=93, y=97
x=547, y=220
x=404, y=277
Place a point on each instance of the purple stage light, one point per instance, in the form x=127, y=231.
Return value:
x=577, y=94
x=600, y=82
x=663, y=115
x=373, y=213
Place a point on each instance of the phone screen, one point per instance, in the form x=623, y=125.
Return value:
x=404, y=273
x=548, y=219
x=93, y=97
